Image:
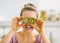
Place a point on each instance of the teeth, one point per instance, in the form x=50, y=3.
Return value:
x=28, y=26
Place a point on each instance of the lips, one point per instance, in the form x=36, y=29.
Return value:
x=28, y=27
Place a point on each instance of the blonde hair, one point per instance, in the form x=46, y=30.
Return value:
x=30, y=7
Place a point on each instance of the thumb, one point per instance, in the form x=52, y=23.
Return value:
x=34, y=25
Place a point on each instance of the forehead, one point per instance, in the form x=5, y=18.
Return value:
x=28, y=13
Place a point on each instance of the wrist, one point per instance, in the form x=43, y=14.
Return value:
x=13, y=29
x=42, y=31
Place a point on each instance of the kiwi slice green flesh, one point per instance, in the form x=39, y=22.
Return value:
x=24, y=20
x=32, y=20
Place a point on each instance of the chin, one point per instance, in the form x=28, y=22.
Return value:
x=28, y=30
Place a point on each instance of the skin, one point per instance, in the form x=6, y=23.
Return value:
x=26, y=34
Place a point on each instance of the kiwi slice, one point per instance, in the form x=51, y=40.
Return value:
x=32, y=20
x=24, y=20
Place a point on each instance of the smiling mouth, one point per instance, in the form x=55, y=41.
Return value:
x=28, y=27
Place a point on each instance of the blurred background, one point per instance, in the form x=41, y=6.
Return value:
x=49, y=11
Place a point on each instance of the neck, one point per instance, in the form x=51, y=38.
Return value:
x=26, y=33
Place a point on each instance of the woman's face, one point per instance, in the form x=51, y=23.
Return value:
x=29, y=14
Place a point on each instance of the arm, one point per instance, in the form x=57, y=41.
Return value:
x=44, y=37
x=15, y=27
x=41, y=31
x=8, y=37
x=39, y=28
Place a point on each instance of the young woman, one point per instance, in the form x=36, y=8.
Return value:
x=29, y=21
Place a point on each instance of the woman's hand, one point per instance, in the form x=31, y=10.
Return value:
x=15, y=23
x=38, y=25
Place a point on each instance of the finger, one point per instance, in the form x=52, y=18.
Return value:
x=20, y=18
x=15, y=18
x=33, y=25
x=15, y=21
x=36, y=19
x=39, y=20
x=21, y=25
